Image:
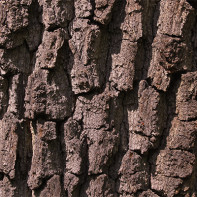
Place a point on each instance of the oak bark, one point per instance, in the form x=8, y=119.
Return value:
x=98, y=98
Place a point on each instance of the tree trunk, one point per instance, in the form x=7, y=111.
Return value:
x=98, y=98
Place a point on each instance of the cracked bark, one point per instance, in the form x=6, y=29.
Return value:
x=98, y=98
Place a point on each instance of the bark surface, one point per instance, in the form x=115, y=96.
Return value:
x=98, y=98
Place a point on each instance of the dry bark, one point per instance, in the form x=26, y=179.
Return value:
x=98, y=98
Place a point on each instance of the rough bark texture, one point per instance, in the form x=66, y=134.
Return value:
x=98, y=98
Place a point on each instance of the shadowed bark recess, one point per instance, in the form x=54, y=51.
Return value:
x=98, y=98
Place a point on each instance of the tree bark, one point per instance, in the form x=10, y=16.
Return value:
x=98, y=98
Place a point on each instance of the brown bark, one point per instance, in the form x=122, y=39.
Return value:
x=98, y=98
